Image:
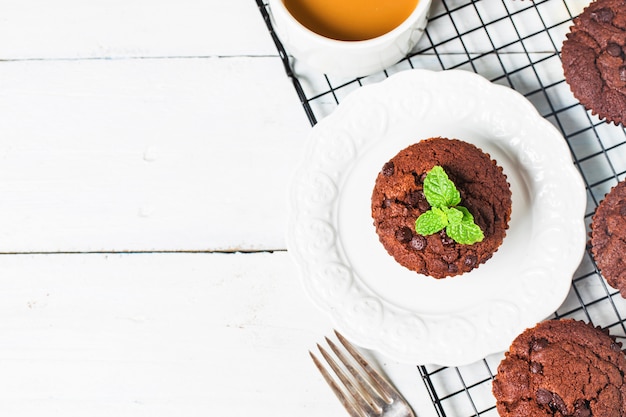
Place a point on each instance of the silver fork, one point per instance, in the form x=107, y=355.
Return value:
x=363, y=391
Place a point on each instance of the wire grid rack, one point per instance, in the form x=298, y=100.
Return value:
x=514, y=43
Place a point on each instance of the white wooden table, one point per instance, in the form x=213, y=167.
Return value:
x=145, y=156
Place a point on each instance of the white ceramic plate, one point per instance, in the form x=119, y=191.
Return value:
x=412, y=318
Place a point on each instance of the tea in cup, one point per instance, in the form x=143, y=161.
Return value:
x=349, y=37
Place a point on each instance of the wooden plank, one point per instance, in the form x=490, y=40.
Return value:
x=71, y=29
x=138, y=155
x=161, y=335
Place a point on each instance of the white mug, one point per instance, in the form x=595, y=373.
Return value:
x=348, y=58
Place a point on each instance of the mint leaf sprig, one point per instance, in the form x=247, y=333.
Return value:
x=445, y=212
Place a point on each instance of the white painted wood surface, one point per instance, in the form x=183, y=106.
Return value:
x=146, y=154
x=70, y=29
x=108, y=144
x=161, y=335
x=138, y=139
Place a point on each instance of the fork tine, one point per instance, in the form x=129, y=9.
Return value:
x=384, y=385
x=363, y=401
x=374, y=398
x=362, y=390
x=345, y=401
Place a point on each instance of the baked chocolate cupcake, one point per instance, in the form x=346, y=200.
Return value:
x=398, y=200
x=562, y=368
x=594, y=59
x=608, y=237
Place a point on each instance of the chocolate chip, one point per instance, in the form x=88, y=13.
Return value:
x=414, y=198
x=536, y=368
x=404, y=234
x=445, y=239
x=453, y=268
x=622, y=73
x=544, y=397
x=417, y=199
x=470, y=260
x=423, y=205
x=418, y=242
x=539, y=344
x=614, y=49
x=604, y=15
x=387, y=202
x=388, y=169
x=581, y=408
x=616, y=346
x=552, y=400
x=558, y=404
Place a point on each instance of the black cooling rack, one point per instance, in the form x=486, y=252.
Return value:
x=514, y=43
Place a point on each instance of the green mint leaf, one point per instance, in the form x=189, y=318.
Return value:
x=439, y=190
x=466, y=232
x=431, y=221
x=454, y=215
x=467, y=216
x=442, y=195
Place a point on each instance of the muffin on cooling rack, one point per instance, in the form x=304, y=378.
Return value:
x=562, y=368
x=593, y=57
x=441, y=207
x=608, y=237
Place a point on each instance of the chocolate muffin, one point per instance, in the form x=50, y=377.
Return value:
x=398, y=200
x=608, y=237
x=593, y=57
x=562, y=368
